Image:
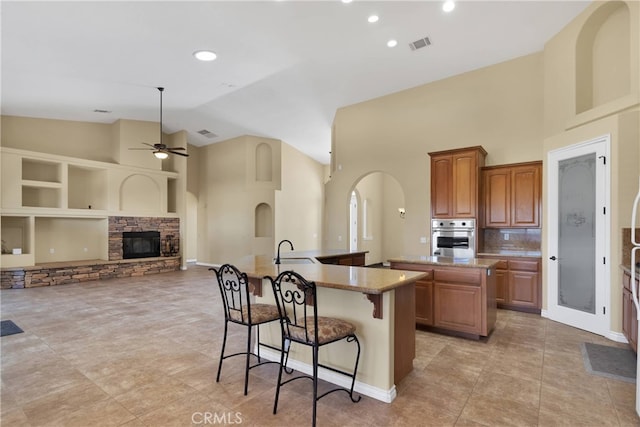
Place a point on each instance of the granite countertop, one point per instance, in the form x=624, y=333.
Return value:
x=512, y=253
x=358, y=279
x=447, y=261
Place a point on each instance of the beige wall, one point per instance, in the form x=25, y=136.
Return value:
x=300, y=201
x=231, y=186
x=91, y=141
x=498, y=107
x=607, y=85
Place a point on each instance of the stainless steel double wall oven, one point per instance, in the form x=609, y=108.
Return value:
x=453, y=237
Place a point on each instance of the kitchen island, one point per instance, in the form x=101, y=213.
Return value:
x=456, y=295
x=379, y=302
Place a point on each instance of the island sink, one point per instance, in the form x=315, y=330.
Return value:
x=295, y=260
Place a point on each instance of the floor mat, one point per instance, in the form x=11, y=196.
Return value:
x=9, y=328
x=611, y=362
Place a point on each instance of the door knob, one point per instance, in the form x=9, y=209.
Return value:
x=553, y=258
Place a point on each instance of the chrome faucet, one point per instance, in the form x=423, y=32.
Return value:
x=281, y=242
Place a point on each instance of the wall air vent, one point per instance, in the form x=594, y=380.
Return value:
x=97, y=110
x=419, y=44
x=207, y=133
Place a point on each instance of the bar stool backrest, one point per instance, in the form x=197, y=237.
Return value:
x=297, y=305
x=234, y=288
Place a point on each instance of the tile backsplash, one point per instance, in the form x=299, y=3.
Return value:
x=626, y=245
x=512, y=239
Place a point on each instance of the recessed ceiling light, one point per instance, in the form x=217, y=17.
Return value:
x=373, y=18
x=347, y=1
x=448, y=6
x=205, y=55
x=392, y=43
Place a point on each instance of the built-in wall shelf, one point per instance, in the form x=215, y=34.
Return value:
x=61, y=205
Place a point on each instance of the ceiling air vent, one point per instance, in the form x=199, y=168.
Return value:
x=419, y=44
x=207, y=133
x=98, y=110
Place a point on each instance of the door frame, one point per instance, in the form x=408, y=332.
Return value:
x=602, y=146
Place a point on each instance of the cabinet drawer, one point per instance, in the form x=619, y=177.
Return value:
x=524, y=265
x=472, y=276
x=502, y=264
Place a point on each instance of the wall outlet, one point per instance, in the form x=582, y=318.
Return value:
x=506, y=236
x=339, y=238
x=52, y=250
x=86, y=250
x=423, y=240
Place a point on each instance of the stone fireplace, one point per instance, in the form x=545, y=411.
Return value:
x=167, y=229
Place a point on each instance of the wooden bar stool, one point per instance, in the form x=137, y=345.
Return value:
x=234, y=288
x=297, y=303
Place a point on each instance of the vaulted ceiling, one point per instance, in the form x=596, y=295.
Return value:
x=283, y=67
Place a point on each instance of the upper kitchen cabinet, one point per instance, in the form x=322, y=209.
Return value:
x=455, y=182
x=512, y=195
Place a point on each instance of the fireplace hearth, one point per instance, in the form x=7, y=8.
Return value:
x=140, y=244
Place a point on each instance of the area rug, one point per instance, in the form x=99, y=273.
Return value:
x=611, y=362
x=9, y=328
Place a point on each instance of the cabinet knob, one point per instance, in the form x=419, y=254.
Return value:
x=553, y=258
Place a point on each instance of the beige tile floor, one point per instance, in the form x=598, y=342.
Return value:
x=144, y=352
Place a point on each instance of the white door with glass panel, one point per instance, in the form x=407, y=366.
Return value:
x=577, y=235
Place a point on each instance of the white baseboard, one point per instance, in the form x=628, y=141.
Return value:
x=616, y=336
x=205, y=264
x=612, y=335
x=377, y=393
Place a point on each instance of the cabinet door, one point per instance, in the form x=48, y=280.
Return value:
x=525, y=196
x=441, y=187
x=424, y=302
x=501, y=286
x=626, y=314
x=633, y=330
x=523, y=289
x=633, y=322
x=497, y=197
x=465, y=184
x=458, y=307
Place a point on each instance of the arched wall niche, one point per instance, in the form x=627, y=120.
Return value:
x=263, y=220
x=264, y=164
x=380, y=226
x=603, y=57
x=139, y=193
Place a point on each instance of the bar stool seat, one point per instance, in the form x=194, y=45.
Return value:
x=260, y=313
x=330, y=329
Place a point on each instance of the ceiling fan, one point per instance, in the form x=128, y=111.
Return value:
x=161, y=150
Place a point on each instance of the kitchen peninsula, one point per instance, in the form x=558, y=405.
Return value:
x=379, y=302
x=456, y=295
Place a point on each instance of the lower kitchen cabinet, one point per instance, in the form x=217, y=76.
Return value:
x=424, y=300
x=460, y=299
x=518, y=284
x=629, y=312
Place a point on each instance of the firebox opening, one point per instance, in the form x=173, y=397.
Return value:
x=140, y=244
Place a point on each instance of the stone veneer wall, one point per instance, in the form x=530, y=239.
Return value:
x=50, y=275
x=120, y=224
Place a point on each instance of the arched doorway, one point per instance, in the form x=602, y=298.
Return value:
x=376, y=222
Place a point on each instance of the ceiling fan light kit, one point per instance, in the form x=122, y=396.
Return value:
x=160, y=150
x=160, y=154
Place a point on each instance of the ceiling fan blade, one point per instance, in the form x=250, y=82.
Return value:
x=176, y=148
x=178, y=153
x=150, y=145
x=145, y=149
